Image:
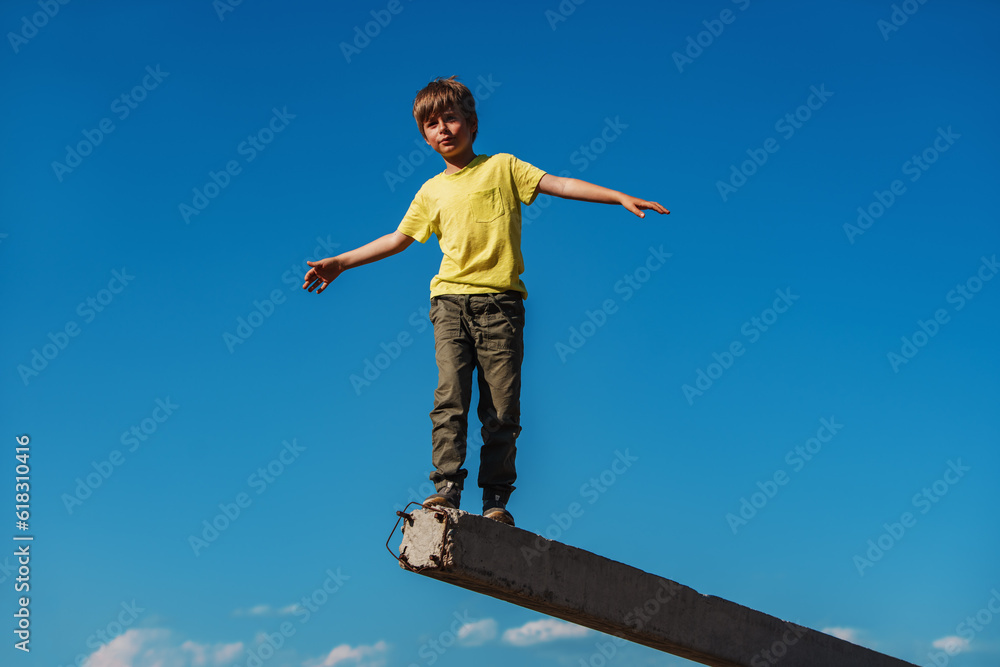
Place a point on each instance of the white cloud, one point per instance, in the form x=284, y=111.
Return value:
x=951, y=644
x=545, y=630
x=266, y=610
x=152, y=647
x=158, y=647
x=358, y=656
x=480, y=632
x=121, y=650
x=224, y=653
x=198, y=653
x=847, y=634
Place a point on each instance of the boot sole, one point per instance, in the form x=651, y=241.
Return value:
x=503, y=516
x=440, y=501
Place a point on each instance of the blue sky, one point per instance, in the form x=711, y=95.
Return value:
x=807, y=383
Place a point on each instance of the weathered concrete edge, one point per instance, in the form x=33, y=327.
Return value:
x=581, y=587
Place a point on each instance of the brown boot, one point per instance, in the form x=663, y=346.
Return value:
x=449, y=495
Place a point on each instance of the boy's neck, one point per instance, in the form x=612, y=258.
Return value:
x=458, y=162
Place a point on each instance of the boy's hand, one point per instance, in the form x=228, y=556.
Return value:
x=634, y=204
x=325, y=271
x=322, y=273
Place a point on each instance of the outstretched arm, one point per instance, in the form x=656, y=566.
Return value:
x=573, y=188
x=325, y=271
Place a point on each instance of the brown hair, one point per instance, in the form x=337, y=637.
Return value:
x=442, y=94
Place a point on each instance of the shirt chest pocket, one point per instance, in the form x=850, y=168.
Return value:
x=486, y=206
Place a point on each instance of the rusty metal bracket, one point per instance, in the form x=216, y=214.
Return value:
x=439, y=514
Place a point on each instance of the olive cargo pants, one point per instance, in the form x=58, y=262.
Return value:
x=482, y=332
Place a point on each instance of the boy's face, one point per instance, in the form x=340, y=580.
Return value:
x=449, y=134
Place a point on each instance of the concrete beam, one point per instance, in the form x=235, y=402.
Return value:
x=525, y=569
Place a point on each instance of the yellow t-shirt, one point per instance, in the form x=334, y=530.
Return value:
x=476, y=215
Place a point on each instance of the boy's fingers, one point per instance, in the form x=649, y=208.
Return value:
x=656, y=207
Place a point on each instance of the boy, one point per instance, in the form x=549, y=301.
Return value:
x=477, y=308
